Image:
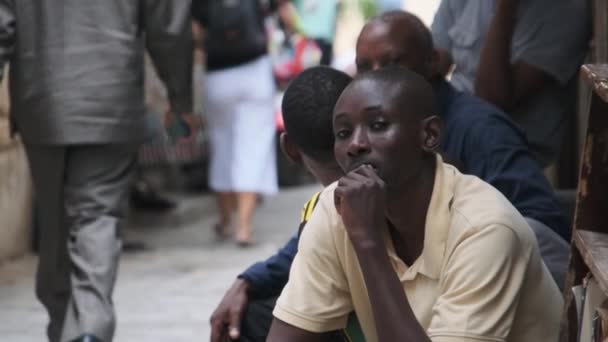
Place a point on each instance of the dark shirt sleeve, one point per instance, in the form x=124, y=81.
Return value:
x=167, y=25
x=268, y=278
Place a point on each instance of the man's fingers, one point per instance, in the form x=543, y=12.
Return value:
x=217, y=330
x=219, y=325
x=352, y=180
x=366, y=170
x=358, y=177
x=235, y=323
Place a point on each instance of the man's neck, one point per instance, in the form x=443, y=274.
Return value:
x=407, y=210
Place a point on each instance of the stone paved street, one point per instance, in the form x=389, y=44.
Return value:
x=166, y=293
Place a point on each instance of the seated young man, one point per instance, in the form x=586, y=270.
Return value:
x=418, y=250
x=307, y=109
x=482, y=139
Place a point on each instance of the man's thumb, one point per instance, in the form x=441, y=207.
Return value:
x=235, y=323
x=234, y=332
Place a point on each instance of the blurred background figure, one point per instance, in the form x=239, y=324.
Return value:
x=314, y=19
x=389, y=5
x=519, y=56
x=76, y=91
x=239, y=94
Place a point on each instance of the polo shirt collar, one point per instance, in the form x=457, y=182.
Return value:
x=435, y=230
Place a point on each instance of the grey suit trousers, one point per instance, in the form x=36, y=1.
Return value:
x=81, y=196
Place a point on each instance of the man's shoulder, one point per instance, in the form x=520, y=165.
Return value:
x=324, y=222
x=478, y=206
x=468, y=114
x=475, y=108
x=309, y=206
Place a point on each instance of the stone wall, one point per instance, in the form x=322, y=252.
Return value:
x=15, y=190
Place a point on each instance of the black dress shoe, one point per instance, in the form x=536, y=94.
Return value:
x=87, y=338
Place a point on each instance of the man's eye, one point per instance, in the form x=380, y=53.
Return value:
x=379, y=125
x=342, y=134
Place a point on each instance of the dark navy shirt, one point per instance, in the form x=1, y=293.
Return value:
x=482, y=141
x=490, y=146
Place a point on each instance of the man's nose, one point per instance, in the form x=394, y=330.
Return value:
x=359, y=144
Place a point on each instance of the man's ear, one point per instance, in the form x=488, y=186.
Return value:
x=431, y=133
x=289, y=148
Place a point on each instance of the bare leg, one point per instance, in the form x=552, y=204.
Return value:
x=226, y=203
x=246, y=203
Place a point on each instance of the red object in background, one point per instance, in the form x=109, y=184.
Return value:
x=300, y=53
x=305, y=53
x=279, y=120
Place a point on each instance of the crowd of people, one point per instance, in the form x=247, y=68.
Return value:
x=436, y=222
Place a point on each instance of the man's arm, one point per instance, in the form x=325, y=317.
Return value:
x=395, y=320
x=360, y=197
x=316, y=299
x=262, y=280
x=497, y=80
x=442, y=22
x=7, y=32
x=495, y=150
x=168, y=30
x=267, y=278
x=281, y=331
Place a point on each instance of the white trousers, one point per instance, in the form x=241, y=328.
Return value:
x=242, y=131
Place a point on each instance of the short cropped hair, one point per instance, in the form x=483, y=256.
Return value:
x=308, y=105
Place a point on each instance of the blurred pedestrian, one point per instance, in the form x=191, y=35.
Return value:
x=239, y=92
x=314, y=19
x=522, y=56
x=76, y=91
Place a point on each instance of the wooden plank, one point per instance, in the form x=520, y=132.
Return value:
x=596, y=75
x=591, y=204
x=593, y=247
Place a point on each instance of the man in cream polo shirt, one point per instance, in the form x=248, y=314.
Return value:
x=475, y=272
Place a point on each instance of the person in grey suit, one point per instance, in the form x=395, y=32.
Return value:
x=77, y=99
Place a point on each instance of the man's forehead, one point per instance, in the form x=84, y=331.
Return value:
x=399, y=34
x=375, y=32
x=366, y=93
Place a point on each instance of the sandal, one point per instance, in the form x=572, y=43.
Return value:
x=221, y=231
